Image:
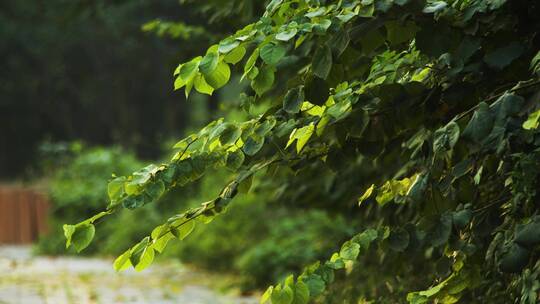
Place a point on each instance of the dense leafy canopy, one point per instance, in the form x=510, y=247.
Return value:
x=420, y=117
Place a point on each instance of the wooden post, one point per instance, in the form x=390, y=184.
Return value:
x=23, y=215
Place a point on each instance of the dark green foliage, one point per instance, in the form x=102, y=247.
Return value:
x=427, y=117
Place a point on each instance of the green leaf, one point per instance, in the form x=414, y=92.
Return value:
x=282, y=295
x=272, y=53
x=189, y=86
x=502, y=57
x=235, y=55
x=209, y=63
x=433, y=290
x=215, y=131
x=462, y=168
x=133, y=201
x=315, y=284
x=262, y=129
x=316, y=91
x=316, y=13
x=220, y=76
x=326, y=273
x=367, y=10
x=336, y=262
x=418, y=188
x=230, y=135
x=139, y=179
x=322, y=26
x=115, y=189
x=179, y=83
x=445, y=138
x=415, y=298
x=265, y=298
x=137, y=250
x=340, y=110
x=183, y=229
x=301, y=293
x=79, y=236
x=535, y=63
x=287, y=34
x=188, y=70
x=250, y=63
x=155, y=190
x=227, y=45
x=462, y=218
x=480, y=125
x=161, y=236
x=478, y=175
x=507, y=105
x=123, y=261
x=393, y=189
x=367, y=194
x=514, y=259
x=340, y=41
x=365, y=238
x=468, y=47
x=202, y=86
x=159, y=231
x=349, y=251
x=301, y=136
x=385, y=194
x=528, y=235
x=434, y=7
x=177, y=70
x=235, y=159
x=293, y=100
x=185, y=142
x=253, y=144
x=264, y=80
x=253, y=73
x=145, y=259
x=532, y=121
x=322, y=61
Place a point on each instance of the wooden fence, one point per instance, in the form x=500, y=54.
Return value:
x=23, y=214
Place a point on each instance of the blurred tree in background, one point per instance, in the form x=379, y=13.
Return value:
x=85, y=70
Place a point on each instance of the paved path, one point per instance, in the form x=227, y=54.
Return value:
x=43, y=280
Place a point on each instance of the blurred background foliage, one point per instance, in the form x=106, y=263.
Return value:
x=87, y=92
x=85, y=70
x=261, y=240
